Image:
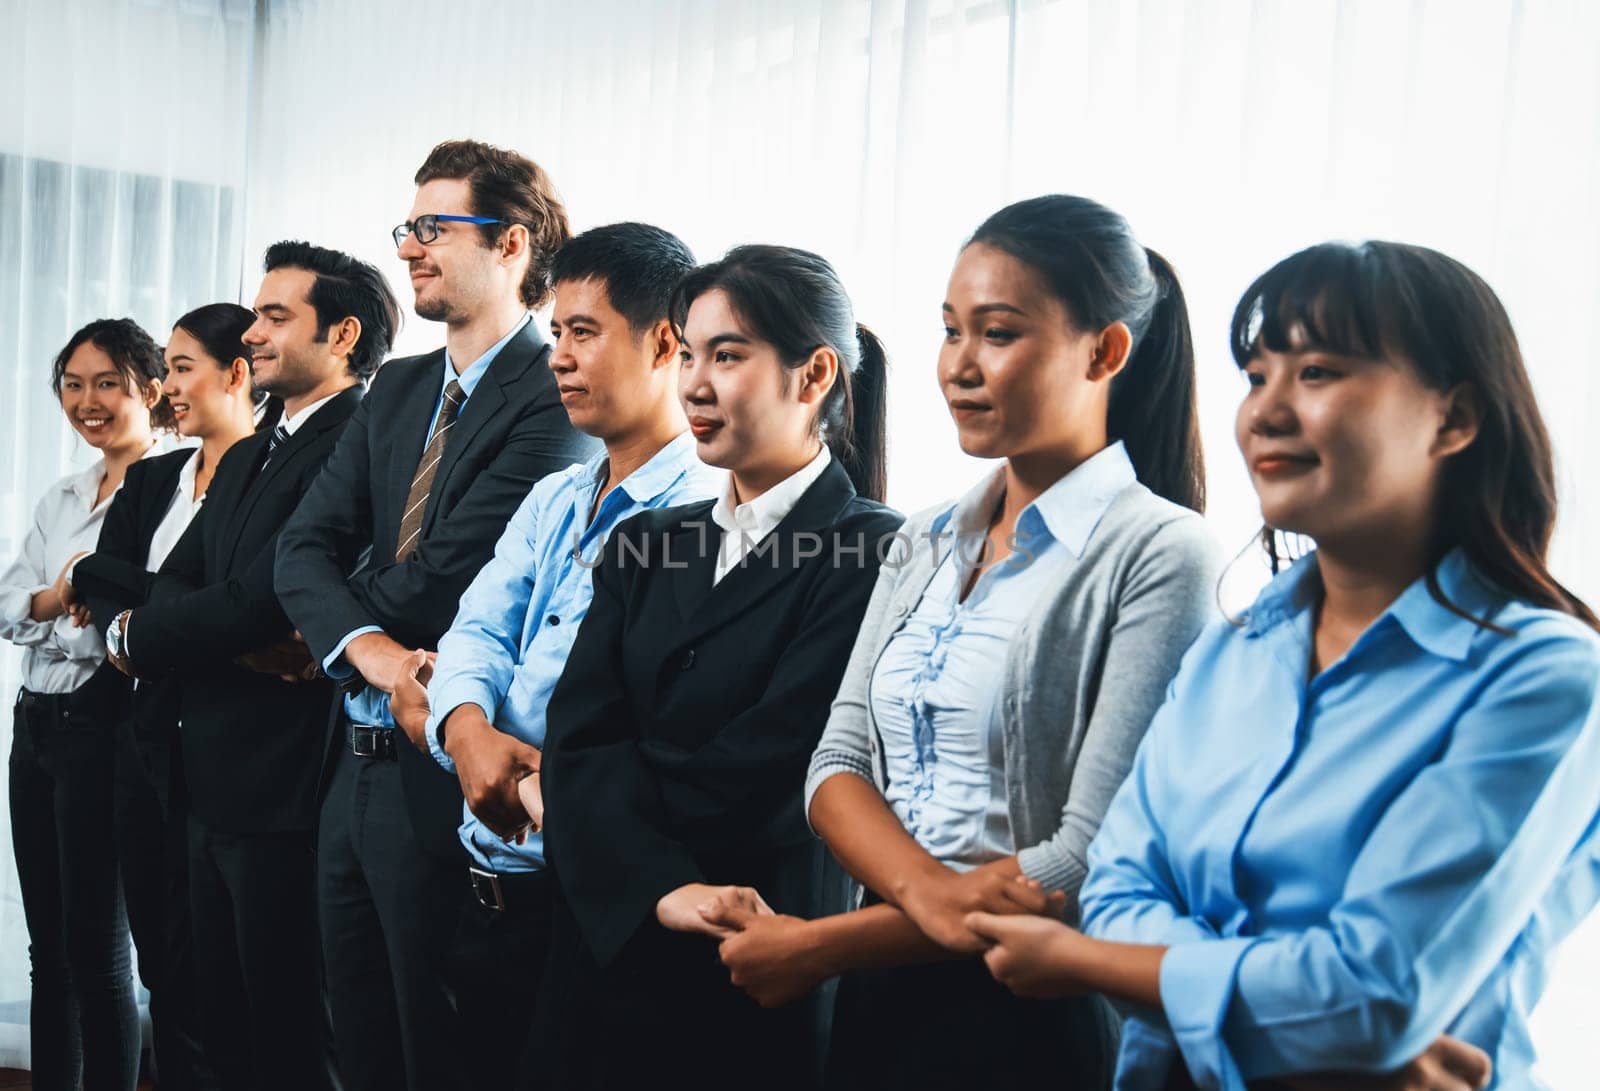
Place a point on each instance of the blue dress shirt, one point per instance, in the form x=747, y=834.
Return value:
x=517, y=621
x=1348, y=865
x=936, y=688
x=370, y=705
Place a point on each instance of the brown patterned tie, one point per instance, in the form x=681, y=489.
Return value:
x=417, y=498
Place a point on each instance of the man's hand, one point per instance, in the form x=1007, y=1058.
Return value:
x=531, y=794
x=289, y=659
x=489, y=764
x=685, y=909
x=770, y=956
x=1449, y=1064
x=408, y=704
x=378, y=658
x=939, y=902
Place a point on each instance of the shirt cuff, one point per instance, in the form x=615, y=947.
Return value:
x=334, y=666
x=449, y=698
x=1197, y=984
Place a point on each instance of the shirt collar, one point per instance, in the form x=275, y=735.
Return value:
x=1067, y=511
x=293, y=422
x=468, y=379
x=85, y=484
x=1431, y=625
x=758, y=517
x=657, y=475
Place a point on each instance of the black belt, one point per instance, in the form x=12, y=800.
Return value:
x=376, y=743
x=514, y=891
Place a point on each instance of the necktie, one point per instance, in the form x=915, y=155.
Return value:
x=417, y=498
x=280, y=436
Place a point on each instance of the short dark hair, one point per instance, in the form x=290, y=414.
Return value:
x=345, y=287
x=220, y=328
x=510, y=187
x=638, y=263
x=134, y=352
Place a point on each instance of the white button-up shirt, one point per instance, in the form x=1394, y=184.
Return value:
x=743, y=526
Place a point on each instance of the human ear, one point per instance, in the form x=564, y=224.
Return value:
x=817, y=375
x=1110, y=352
x=1463, y=415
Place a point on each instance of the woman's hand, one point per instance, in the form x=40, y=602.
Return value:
x=1031, y=956
x=680, y=910
x=771, y=957
x=940, y=902
x=66, y=594
x=1449, y=1064
x=531, y=795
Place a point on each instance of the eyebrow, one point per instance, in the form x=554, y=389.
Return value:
x=185, y=359
x=725, y=339
x=272, y=308
x=574, y=319
x=993, y=308
x=111, y=374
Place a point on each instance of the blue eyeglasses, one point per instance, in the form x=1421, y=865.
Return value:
x=426, y=228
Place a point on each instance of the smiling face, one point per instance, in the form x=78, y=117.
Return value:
x=748, y=413
x=608, y=375
x=288, y=355
x=101, y=404
x=1014, y=370
x=201, y=389
x=456, y=274
x=1340, y=446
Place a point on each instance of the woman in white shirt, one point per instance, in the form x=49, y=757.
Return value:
x=208, y=385
x=84, y=1024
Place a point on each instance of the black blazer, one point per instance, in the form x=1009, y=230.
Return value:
x=251, y=743
x=113, y=578
x=511, y=432
x=679, y=735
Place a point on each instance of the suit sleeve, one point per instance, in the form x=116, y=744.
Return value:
x=408, y=596
x=113, y=578
x=606, y=829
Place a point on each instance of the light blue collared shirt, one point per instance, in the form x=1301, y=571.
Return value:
x=1345, y=867
x=517, y=621
x=936, y=689
x=368, y=705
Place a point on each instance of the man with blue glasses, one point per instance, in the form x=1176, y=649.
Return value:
x=371, y=567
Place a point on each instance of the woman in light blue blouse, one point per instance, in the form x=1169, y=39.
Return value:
x=1367, y=812
x=1009, y=663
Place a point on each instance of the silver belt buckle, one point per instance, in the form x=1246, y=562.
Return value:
x=363, y=741
x=486, y=885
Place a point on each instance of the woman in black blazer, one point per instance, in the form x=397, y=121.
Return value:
x=208, y=385
x=700, y=680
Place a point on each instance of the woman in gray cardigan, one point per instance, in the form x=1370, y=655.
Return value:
x=1009, y=663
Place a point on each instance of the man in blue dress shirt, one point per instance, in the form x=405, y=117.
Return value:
x=615, y=362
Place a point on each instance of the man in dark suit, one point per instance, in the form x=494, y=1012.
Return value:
x=372, y=566
x=252, y=739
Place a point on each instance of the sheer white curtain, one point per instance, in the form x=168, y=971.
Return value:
x=121, y=165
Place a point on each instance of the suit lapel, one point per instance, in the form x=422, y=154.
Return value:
x=519, y=362
x=691, y=548
x=746, y=585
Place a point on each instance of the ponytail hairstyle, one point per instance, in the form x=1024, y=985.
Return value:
x=137, y=358
x=793, y=300
x=220, y=328
x=1429, y=313
x=1087, y=258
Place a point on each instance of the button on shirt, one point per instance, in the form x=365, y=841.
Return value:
x=370, y=705
x=57, y=656
x=935, y=692
x=1346, y=866
x=745, y=525
x=509, y=642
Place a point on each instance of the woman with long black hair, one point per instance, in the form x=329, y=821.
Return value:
x=1366, y=813
x=83, y=1023
x=699, y=683
x=1006, y=673
x=209, y=387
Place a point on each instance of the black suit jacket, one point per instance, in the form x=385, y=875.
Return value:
x=511, y=432
x=113, y=578
x=679, y=735
x=251, y=742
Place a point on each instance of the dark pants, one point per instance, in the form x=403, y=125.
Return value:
x=496, y=963
x=253, y=897
x=952, y=1026
x=84, y=1024
x=151, y=834
x=389, y=913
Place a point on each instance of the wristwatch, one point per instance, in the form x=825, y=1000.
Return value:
x=116, y=636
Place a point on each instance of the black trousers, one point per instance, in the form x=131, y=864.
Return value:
x=83, y=1021
x=259, y=969
x=389, y=913
x=952, y=1026
x=496, y=965
x=151, y=834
